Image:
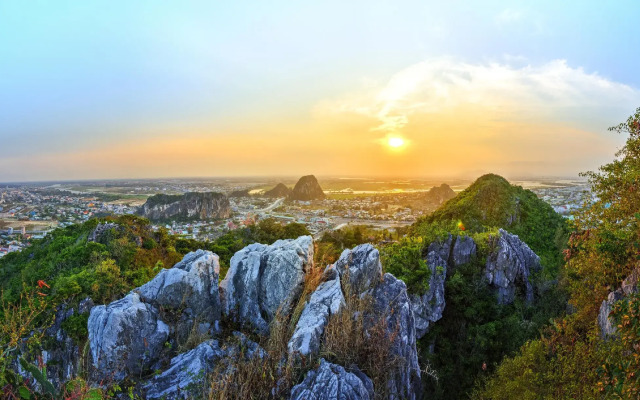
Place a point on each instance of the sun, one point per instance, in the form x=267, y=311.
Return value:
x=395, y=142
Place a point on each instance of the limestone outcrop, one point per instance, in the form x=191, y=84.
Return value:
x=333, y=382
x=510, y=266
x=186, y=207
x=264, y=279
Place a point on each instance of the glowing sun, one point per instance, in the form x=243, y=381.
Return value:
x=395, y=142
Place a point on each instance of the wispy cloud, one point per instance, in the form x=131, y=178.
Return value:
x=509, y=15
x=551, y=91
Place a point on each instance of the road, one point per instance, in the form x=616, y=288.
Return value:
x=273, y=206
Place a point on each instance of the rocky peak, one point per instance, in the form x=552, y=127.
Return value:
x=307, y=189
x=190, y=206
x=280, y=190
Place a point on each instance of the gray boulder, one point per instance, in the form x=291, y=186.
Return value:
x=185, y=378
x=391, y=310
x=443, y=249
x=125, y=337
x=428, y=307
x=362, y=266
x=332, y=382
x=186, y=373
x=464, y=250
x=509, y=266
x=262, y=279
x=628, y=287
x=325, y=301
x=190, y=286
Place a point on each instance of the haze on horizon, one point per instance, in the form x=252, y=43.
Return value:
x=144, y=89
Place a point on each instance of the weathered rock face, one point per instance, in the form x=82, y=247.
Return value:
x=125, y=337
x=280, y=190
x=325, y=301
x=192, y=285
x=361, y=265
x=190, y=206
x=261, y=279
x=128, y=335
x=629, y=286
x=307, y=188
x=509, y=266
x=332, y=382
x=464, y=250
x=185, y=373
x=392, y=309
x=101, y=229
x=428, y=308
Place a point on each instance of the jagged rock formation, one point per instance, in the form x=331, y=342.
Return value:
x=307, y=188
x=126, y=338
x=628, y=287
x=128, y=335
x=190, y=206
x=464, y=250
x=510, y=265
x=440, y=194
x=192, y=284
x=428, y=308
x=325, y=301
x=332, y=382
x=392, y=308
x=442, y=258
x=187, y=372
x=361, y=266
x=280, y=190
x=101, y=229
x=261, y=279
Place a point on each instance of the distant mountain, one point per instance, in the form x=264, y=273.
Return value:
x=280, y=190
x=240, y=193
x=190, y=206
x=492, y=202
x=440, y=194
x=306, y=189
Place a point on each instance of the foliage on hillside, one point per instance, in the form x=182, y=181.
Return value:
x=476, y=332
x=491, y=201
x=67, y=266
x=571, y=360
x=120, y=259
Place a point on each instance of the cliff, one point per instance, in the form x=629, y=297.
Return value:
x=190, y=206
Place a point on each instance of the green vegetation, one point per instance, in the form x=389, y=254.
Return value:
x=491, y=201
x=405, y=261
x=67, y=266
x=571, y=360
x=476, y=332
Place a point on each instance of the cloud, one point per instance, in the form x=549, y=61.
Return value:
x=553, y=91
x=509, y=15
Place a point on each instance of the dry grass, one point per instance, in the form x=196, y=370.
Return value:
x=273, y=376
x=350, y=340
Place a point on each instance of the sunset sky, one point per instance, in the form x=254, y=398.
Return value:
x=129, y=89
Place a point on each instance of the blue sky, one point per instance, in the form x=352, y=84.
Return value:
x=87, y=89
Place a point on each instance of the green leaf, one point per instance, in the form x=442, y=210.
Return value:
x=94, y=394
x=24, y=393
x=47, y=386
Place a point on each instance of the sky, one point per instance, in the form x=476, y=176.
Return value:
x=143, y=89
